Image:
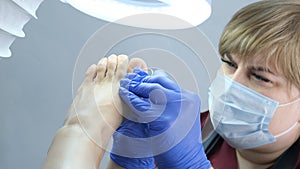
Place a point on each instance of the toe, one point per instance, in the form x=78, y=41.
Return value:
x=136, y=63
x=111, y=66
x=101, y=69
x=91, y=73
x=122, y=66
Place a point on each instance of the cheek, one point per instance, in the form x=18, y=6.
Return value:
x=284, y=118
x=282, y=143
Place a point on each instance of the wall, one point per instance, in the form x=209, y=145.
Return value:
x=36, y=82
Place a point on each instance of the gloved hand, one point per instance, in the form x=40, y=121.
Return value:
x=172, y=116
x=128, y=152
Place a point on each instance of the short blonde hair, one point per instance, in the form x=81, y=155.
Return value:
x=269, y=28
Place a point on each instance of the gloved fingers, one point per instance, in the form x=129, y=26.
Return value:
x=144, y=110
x=133, y=101
x=154, y=91
x=158, y=76
x=157, y=94
x=127, y=141
x=130, y=76
x=131, y=129
x=140, y=72
x=135, y=76
x=145, y=89
x=163, y=80
x=125, y=83
x=133, y=163
x=131, y=84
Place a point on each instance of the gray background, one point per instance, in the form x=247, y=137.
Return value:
x=36, y=82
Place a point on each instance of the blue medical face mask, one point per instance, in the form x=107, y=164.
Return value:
x=241, y=115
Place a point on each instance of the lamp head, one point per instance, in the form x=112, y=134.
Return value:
x=152, y=14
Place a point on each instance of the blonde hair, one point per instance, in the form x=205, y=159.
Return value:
x=268, y=28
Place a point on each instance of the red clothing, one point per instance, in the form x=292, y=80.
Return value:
x=223, y=156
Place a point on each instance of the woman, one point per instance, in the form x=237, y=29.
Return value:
x=260, y=49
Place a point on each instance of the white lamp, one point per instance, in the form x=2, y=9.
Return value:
x=14, y=14
x=154, y=14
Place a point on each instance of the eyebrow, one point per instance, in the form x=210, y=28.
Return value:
x=253, y=68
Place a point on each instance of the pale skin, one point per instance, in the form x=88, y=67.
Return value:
x=273, y=85
x=71, y=148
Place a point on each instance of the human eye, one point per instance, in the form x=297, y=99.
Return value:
x=261, y=78
x=229, y=63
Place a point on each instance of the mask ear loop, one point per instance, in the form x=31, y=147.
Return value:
x=286, y=131
x=286, y=104
x=293, y=126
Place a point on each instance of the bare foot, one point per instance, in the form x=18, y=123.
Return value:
x=97, y=107
x=95, y=113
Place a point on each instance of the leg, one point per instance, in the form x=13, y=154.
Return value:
x=95, y=112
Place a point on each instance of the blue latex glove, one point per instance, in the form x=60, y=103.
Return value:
x=125, y=148
x=172, y=116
